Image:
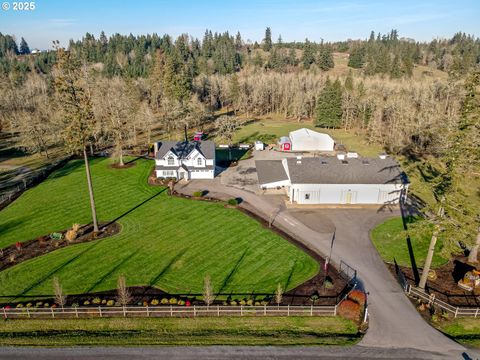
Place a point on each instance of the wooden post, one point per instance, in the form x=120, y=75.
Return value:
x=476, y=312
x=171, y=311
x=124, y=311
x=335, y=310
x=53, y=313
x=456, y=312
x=311, y=310
x=148, y=312
x=28, y=312
x=288, y=309
x=194, y=311
x=265, y=310
x=76, y=312
x=4, y=313
x=218, y=310
x=100, y=311
x=241, y=310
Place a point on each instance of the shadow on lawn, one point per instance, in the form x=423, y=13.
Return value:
x=137, y=206
x=167, y=267
x=233, y=271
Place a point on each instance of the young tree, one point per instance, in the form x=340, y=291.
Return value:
x=267, y=41
x=74, y=103
x=234, y=92
x=325, y=58
x=60, y=299
x=278, y=294
x=208, y=295
x=24, y=49
x=123, y=294
x=329, y=105
x=308, y=55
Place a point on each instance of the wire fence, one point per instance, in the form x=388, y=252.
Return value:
x=167, y=311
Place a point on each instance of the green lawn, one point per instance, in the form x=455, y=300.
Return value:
x=167, y=242
x=187, y=331
x=390, y=240
x=464, y=330
x=269, y=129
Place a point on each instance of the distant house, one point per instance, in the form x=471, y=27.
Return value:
x=306, y=140
x=185, y=159
x=335, y=180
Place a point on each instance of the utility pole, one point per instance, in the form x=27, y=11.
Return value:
x=431, y=250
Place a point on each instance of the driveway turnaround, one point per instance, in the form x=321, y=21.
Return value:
x=394, y=321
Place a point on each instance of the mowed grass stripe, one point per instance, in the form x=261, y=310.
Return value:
x=167, y=242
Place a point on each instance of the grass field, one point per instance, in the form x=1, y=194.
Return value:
x=187, y=331
x=464, y=330
x=390, y=240
x=167, y=242
x=279, y=126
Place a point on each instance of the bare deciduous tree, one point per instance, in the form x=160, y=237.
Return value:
x=123, y=294
x=60, y=299
x=278, y=294
x=208, y=295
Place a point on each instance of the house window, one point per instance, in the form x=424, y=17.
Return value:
x=168, y=173
x=171, y=160
x=199, y=161
x=307, y=196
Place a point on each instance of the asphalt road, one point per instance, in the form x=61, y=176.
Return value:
x=218, y=352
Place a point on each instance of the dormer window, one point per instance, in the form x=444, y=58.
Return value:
x=199, y=162
x=170, y=160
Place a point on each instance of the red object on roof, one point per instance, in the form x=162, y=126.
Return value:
x=198, y=136
x=286, y=146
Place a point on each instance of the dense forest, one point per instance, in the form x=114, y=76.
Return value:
x=136, y=86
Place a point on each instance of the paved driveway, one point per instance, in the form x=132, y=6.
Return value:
x=394, y=322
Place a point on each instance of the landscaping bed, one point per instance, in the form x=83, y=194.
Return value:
x=445, y=285
x=22, y=251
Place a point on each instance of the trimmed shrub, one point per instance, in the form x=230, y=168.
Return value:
x=173, y=301
x=349, y=310
x=104, y=302
x=19, y=306
x=242, y=302
x=86, y=303
x=328, y=284
x=110, y=302
x=154, y=302
x=233, y=303
x=232, y=202
x=181, y=303
x=164, y=301
x=29, y=305
x=39, y=304
x=198, y=194
x=96, y=301
x=250, y=302
x=358, y=296
x=46, y=305
x=72, y=234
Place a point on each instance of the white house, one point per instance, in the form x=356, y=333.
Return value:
x=332, y=180
x=185, y=159
x=309, y=140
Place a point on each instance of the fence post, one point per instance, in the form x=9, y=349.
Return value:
x=241, y=310
x=28, y=312
x=311, y=310
x=100, y=311
x=288, y=309
x=265, y=309
x=476, y=312
x=335, y=310
x=124, y=311
x=148, y=312
x=218, y=310
x=76, y=312
x=456, y=312
x=4, y=313
x=194, y=311
x=53, y=313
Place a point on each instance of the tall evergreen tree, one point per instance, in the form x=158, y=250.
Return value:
x=356, y=59
x=308, y=55
x=325, y=58
x=24, y=49
x=267, y=41
x=328, y=111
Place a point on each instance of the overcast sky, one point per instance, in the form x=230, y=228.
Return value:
x=294, y=19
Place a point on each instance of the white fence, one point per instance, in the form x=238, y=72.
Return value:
x=417, y=293
x=167, y=311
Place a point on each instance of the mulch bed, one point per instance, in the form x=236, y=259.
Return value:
x=124, y=166
x=445, y=285
x=17, y=253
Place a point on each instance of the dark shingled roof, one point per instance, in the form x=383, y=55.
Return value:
x=208, y=167
x=270, y=171
x=183, y=148
x=330, y=170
